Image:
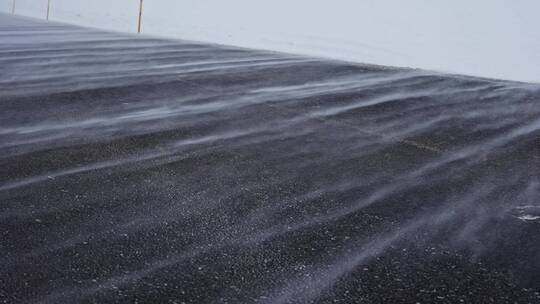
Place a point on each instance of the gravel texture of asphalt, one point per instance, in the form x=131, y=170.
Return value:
x=136, y=169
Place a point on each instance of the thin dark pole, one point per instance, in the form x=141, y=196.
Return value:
x=48, y=8
x=140, y=16
x=13, y=8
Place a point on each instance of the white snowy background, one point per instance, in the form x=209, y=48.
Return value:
x=489, y=38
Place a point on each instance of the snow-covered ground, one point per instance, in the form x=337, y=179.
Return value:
x=490, y=38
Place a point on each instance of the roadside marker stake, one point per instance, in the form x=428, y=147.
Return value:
x=13, y=8
x=140, y=17
x=48, y=8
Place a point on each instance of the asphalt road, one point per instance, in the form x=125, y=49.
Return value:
x=142, y=170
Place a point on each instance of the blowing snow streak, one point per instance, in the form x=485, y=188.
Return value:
x=139, y=169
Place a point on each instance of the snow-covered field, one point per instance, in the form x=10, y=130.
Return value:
x=489, y=38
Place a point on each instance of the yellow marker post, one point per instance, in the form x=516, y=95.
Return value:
x=140, y=17
x=48, y=8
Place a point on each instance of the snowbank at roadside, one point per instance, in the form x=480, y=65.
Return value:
x=488, y=38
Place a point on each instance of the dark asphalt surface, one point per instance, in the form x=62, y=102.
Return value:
x=142, y=170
